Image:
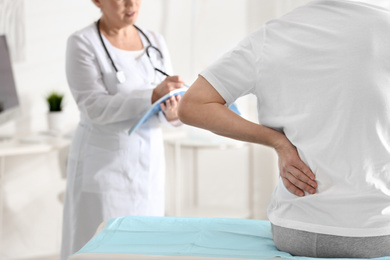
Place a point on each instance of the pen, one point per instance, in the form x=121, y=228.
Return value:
x=165, y=74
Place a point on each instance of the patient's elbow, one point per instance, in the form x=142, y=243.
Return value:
x=185, y=111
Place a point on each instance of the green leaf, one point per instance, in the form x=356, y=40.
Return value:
x=54, y=100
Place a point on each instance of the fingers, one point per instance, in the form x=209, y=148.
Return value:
x=168, y=84
x=307, y=172
x=304, y=174
x=174, y=82
x=175, y=79
x=171, y=103
x=163, y=107
x=177, y=99
x=166, y=105
x=296, y=176
x=298, y=182
x=170, y=108
x=292, y=188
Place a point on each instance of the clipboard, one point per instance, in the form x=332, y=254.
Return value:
x=157, y=108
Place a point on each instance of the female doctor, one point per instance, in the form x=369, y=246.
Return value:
x=111, y=70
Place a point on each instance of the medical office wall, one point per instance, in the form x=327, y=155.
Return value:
x=197, y=32
x=31, y=209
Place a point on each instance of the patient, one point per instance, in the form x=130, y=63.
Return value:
x=321, y=75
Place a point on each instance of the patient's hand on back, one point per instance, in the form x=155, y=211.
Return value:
x=295, y=174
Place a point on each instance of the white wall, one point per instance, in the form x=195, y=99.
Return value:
x=32, y=210
x=48, y=24
x=197, y=32
x=32, y=183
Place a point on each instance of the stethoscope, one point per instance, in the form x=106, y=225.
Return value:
x=120, y=75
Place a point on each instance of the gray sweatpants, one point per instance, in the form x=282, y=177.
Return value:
x=302, y=243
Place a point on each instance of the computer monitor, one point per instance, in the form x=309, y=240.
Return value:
x=9, y=100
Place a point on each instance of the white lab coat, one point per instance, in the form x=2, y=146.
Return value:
x=111, y=174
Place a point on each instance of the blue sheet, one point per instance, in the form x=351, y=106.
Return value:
x=209, y=237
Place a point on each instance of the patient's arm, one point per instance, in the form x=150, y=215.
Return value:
x=203, y=107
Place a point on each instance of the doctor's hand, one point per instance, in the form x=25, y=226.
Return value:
x=296, y=176
x=170, y=108
x=168, y=84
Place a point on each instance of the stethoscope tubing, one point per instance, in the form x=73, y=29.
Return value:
x=104, y=45
x=150, y=46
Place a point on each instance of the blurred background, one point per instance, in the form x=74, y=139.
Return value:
x=207, y=175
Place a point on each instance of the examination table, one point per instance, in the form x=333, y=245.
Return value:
x=178, y=238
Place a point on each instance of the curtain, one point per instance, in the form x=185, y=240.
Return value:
x=12, y=22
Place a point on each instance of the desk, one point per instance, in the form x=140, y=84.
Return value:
x=196, y=146
x=15, y=148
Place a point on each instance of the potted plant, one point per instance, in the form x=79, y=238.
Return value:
x=54, y=100
x=55, y=116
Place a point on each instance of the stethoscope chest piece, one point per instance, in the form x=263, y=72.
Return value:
x=120, y=75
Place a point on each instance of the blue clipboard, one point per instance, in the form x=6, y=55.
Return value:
x=157, y=108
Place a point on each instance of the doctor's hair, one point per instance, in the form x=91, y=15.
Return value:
x=95, y=4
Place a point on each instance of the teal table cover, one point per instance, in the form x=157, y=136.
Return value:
x=179, y=236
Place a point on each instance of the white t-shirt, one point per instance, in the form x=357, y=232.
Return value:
x=321, y=74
